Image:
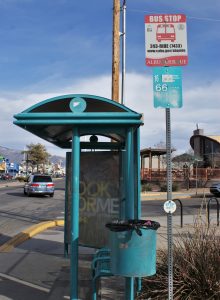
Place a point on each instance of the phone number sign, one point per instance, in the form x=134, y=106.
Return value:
x=167, y=84
x=166, y=40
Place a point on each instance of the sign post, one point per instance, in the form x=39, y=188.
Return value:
x=166, y=47
x=169, y=199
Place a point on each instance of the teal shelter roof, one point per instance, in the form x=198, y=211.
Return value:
x=53, y=119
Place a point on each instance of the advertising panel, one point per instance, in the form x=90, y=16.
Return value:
x=99, y=196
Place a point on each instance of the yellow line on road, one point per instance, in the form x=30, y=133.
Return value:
x=29, y=233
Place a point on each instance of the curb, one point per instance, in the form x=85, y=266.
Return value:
x=29, y=233
x=180, y=195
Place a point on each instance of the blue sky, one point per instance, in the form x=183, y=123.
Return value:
x=54, y=47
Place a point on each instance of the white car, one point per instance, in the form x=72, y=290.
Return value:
x=39, y=184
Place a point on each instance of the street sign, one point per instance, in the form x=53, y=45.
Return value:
x=169, y=206
x=166, y=40
x=167, y=85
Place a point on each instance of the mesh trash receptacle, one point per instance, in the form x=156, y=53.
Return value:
x=133, y=247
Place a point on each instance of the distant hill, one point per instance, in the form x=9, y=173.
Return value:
x=16, y=156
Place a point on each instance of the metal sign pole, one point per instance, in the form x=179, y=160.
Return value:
x=169, y=198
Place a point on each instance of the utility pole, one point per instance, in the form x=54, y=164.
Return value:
x=123, y=52
x=116, y=51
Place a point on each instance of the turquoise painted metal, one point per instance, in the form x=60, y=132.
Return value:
x=129, y=203
x=61, y=121
x=75, y=215
x=167, y=83
x=133, y=255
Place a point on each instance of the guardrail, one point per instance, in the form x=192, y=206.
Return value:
x=209, y=202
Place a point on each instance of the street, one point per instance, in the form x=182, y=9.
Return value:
x=18, y=211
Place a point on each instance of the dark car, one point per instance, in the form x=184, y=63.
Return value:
x=6, y=176
x=215, y=189
x=39, y=184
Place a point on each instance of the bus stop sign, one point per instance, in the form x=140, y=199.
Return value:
x=167, y=84
x=166, y=40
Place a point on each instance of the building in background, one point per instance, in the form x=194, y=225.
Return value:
x=206, y=149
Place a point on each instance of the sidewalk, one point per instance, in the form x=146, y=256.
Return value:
x=38, y=268
x=7, y=183
x=191, y=193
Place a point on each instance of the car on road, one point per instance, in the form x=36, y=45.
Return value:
x=215, y=189
x=6, y=176
x=38, y=184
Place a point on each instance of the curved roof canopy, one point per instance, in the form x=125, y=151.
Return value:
x=215, y=139
x=53, y=119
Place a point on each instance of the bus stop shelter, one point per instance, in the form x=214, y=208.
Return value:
x=64, y=121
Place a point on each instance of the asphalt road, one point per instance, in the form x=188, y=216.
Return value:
x=18, y=211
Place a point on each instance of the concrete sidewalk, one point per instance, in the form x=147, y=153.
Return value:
x=7, y=183
x=191, y=193
x=37, y=269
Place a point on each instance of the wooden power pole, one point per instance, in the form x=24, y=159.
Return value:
x=116, y=51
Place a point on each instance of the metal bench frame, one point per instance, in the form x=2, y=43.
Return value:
x=100, y=268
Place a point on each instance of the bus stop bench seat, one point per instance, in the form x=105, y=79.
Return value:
x=100, y=268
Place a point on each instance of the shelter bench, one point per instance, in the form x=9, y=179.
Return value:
x=100, y=268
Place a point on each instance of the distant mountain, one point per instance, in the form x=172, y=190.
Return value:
x=16, y=156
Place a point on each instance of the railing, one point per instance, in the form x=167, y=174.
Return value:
x=217, y=206
x=199, y=174
x=181, y=211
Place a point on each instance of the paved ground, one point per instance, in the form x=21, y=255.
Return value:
x=37, y=269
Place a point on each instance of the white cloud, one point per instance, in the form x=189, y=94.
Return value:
x=200, y=105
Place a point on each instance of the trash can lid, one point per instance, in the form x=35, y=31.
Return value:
x=132, y=224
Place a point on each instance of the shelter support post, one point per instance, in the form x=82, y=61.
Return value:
x=75, y=214
x=66, y=245
x=129, y=201
x=137, y=178
x=137, y=185
x=129, y=176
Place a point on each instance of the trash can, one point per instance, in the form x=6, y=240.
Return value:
x=133, y=247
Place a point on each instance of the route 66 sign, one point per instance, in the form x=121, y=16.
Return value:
x=167, y=86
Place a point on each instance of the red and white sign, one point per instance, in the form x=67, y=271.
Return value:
x=166, y=40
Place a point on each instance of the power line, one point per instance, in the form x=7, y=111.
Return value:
x=188, y=17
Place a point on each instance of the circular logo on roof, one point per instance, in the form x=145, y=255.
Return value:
x=77, y=105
